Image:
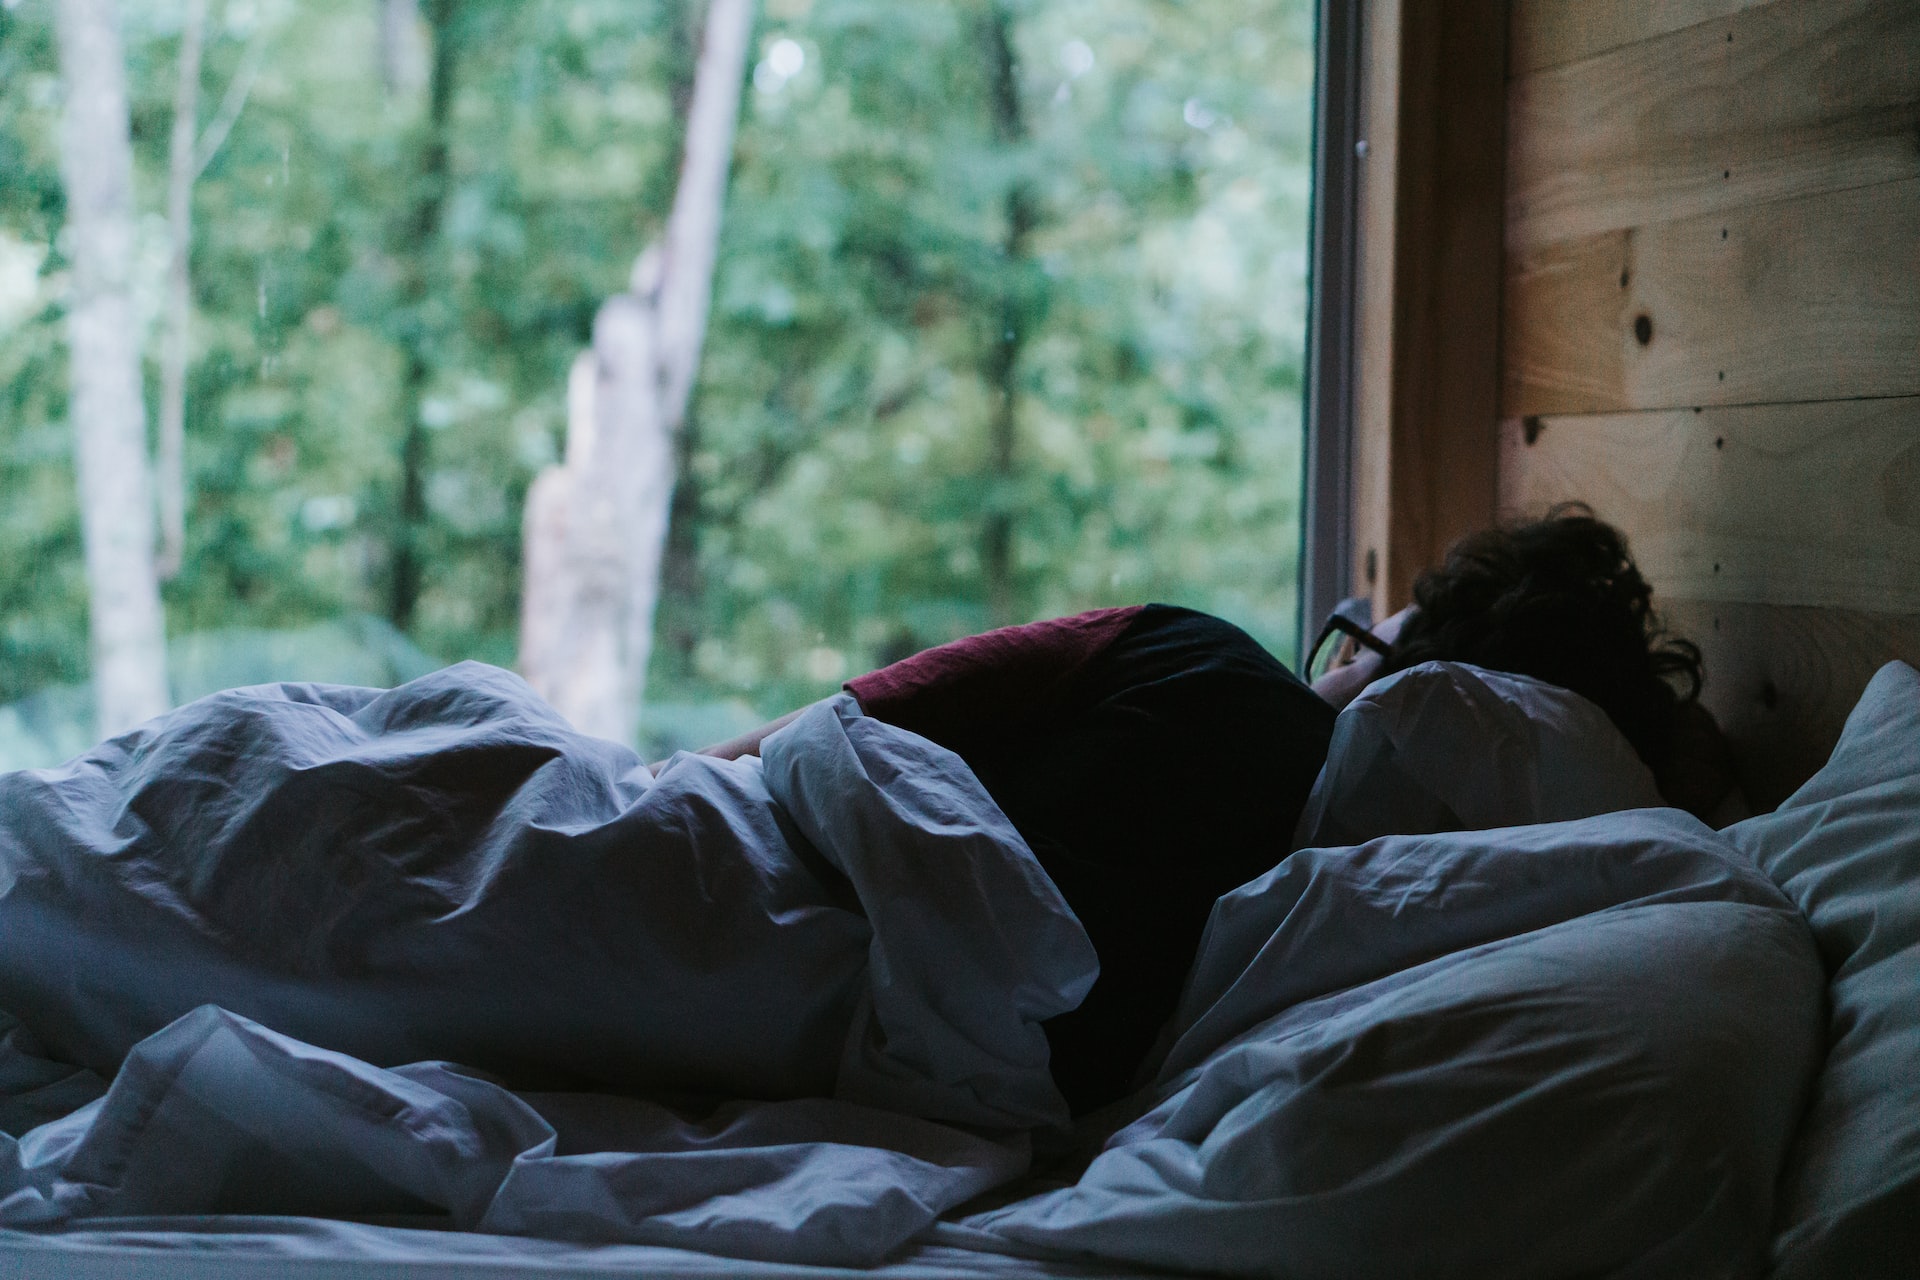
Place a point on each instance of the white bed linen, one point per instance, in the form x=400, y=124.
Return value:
x=1448, y=746
x=1846, y=848
x=1574, y=1049
x=1568, y=1049
x=264, y=915
x=234, y=1248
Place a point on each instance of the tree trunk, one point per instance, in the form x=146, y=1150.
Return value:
x=422, y=232
x=401, y=57
x=1009, y=331
x=693, y=227
x=683, y=302
x=618, y=515
x=676, y=628
x=677, y=625
x=128, y=634
x=182, y=167
x=619, y=482
x=546, y=584
x=232, y=103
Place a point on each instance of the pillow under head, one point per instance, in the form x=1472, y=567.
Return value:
x=1444, y=746
x=1846, y=848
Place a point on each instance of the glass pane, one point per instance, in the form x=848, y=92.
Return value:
x=1007, y=323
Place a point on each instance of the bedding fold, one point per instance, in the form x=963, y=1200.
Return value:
x=273, y=919
x=427, y=953
x=215, y=1114
x=1575, y=1049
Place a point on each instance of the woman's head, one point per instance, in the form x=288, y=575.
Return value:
x=1558, y=599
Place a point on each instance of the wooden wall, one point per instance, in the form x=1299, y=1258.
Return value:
x=1710, y=330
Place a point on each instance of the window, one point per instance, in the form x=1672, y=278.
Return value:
x=1008, y=321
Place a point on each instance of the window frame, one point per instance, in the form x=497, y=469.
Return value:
x=1402, y=385
x=1326, y=542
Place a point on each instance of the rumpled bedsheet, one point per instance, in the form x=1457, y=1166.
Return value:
x=1575, y=1049
x=276, y=918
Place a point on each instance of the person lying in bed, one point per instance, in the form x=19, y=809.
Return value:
x=1155, y=757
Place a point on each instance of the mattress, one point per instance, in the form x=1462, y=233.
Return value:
x=232, y=1248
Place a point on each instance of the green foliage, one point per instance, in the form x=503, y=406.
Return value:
x=842, y=451
x=840, y=471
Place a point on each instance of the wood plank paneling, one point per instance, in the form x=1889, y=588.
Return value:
x=1811, y=299
x=1781, y=680
x=1785, y=99
x=1815, y=504
x=1711, y=332
x=1549, y=33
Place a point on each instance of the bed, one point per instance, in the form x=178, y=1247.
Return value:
x=1496, y=1013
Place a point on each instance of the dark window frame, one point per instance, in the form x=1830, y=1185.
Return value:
x=1326, y=543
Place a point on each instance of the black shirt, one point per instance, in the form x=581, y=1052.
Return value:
x=1154, y=758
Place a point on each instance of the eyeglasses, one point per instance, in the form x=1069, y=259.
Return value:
x=1349, y=619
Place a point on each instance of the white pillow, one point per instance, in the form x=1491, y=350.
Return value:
x=1846, y=848
x=1444, y=746
x=1576, y=1049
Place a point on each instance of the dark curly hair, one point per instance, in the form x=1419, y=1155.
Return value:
x=1558, y=599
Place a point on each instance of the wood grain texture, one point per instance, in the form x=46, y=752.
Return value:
x=1711, y=332
x=1373, y=285
x=1781, y=680
x=1811, y=299
x=1550, y=33
x=1427, y=318
x=1815, y=504
x=1779, y=100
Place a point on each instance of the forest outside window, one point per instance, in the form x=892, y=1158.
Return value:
x=1008, y=313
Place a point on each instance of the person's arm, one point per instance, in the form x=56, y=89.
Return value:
x=1342, y=684
x=984, y=687
x=748, y=743
x=976, y=684
x=745, y=744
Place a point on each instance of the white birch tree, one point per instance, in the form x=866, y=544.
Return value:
x=127, y=631
x=170, y=445
x=596, y=526
x=189, y=154
x=402, y=55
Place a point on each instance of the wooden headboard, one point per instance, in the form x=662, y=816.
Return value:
x=1710, y=331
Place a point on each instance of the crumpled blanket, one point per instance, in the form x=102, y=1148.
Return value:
x=1571, y=1049
x=276, y=917
x=218, y=1114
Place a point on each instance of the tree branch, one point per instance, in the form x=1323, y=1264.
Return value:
x=231, y=104
x=169, y=454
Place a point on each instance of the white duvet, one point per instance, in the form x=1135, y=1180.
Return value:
x=791, y=1012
